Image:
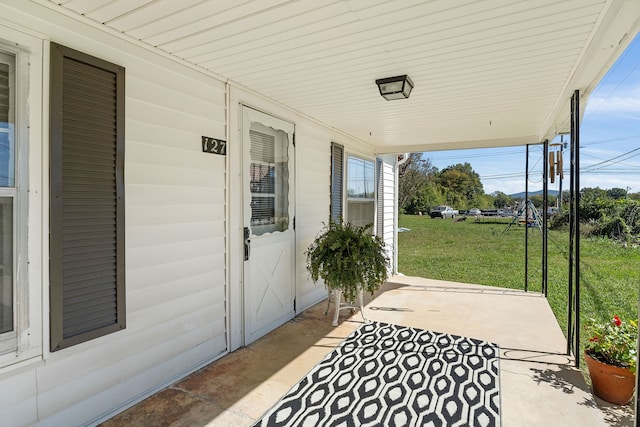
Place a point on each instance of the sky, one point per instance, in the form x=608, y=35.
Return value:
x=609, y=141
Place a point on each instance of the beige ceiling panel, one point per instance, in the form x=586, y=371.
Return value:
x=116, y=9
x=486, y=72
x=149, y=14
x=262, y=38
x=188, y=45
x=202, y=17
x=85, y=6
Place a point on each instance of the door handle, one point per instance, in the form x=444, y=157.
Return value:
x=247, y=244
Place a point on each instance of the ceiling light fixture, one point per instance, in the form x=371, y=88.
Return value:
x=398, y=87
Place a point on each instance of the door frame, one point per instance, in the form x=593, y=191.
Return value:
x=284, y=290
x=237, y=98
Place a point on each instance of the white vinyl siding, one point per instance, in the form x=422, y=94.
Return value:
x=313, y=200
x=175, y=244
x=177, y=298
x=387, y=204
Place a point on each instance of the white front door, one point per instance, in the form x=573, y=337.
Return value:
x=269, y=286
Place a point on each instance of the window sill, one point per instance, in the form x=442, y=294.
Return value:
x=12, y=364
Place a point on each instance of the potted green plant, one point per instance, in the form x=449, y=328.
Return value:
x=349, y=259
x=611, y=357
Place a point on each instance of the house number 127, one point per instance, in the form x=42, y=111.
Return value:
x=214, y=146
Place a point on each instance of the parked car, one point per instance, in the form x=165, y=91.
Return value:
x=443, y=212
x=475, y=212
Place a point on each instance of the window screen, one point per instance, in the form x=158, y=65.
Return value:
x=269, y=179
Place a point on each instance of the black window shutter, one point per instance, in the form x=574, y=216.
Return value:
x=87, y=289
x=380, y=200
x=337, y=182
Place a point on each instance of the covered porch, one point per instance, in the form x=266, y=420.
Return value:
x=538, y=382
x=189, y=83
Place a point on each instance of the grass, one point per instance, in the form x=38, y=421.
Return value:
x=483, y=253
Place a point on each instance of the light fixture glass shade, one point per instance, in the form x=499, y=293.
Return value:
x=398, y=87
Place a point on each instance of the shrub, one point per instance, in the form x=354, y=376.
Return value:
x=349, y=258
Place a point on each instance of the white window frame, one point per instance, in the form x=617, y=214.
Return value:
x=24, y=343
x=349, y=200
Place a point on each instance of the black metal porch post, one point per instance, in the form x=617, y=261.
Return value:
x=574, y=254
x=545, y=206
x=576, y=116
x=526, y=222
x=571, y=235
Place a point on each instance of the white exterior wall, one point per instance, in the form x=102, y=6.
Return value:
x=175, y=214
x=390, y=209
x=313, y=158
x=183, y=228
x=312, y=195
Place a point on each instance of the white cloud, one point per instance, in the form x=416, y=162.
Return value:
x=507, y=186
x=610, y=181
x=625, y=105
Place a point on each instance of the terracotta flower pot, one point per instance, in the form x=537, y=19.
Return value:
x=610, y=383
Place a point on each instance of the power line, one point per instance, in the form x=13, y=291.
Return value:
x=604, y=141
x=604, y=163
x=620, y=60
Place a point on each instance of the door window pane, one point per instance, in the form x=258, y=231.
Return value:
x=269, y=179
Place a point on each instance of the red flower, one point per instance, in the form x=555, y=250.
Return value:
x=617, y=321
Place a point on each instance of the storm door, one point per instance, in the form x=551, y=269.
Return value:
x=269, y=235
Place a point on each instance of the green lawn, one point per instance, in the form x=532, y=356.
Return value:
x=483, y=253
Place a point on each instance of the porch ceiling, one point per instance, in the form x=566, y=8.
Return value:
x=486, y=73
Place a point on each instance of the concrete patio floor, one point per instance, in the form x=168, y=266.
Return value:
x=539, y=386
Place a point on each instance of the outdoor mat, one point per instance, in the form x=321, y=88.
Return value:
x=389, y=375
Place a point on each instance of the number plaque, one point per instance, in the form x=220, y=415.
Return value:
x=214, y=146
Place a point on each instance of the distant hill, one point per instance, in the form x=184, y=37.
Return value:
x=533, y=193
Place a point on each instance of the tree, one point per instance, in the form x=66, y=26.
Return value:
x=461, y=183
x=413, y=174
x=588, y=194
x=427, y=197
x=501, y=200
x=537, y=200
x=617, y=193
x=483, y=201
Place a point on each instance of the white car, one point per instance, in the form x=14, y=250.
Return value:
x=443, y=212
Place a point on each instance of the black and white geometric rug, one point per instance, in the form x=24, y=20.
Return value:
x=389, y=375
